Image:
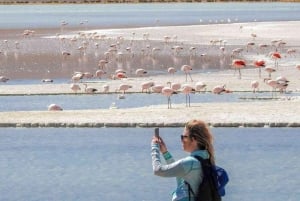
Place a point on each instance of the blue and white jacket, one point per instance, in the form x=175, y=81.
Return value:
x=186, y=169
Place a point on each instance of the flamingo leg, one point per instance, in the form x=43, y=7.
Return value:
x=191, y=77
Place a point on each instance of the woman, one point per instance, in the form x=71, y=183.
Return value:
x=197, y=140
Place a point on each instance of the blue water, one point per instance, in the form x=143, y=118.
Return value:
x=120, y=15
x=74, y=164
x=105, y=101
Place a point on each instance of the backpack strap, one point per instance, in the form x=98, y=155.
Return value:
x=200, y=159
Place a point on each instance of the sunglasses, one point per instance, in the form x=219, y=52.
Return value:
x=183, y=136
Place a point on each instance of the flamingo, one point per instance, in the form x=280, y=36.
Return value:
x=146, y=86
x=238, y=64
x=105, y=88
x=3, y=79
x=174, y=86
x=298, y=66
x=220, y=89
x=140, y=72
x=254, y=86
x=282, y=83
x=47, y=80
x=200, y=85
x=102, y=63
x=187, y=90
x=273, y=84
x=89, y=90
x=276, y=56
x=77, y=76
x=270, y=70
x=186, y=69
x=65, y=54
x=124, y=87
x=75, y=87
x=119, y=75
x=171, y=70
x=54, y=107
x=167, y=91
x=100, y=73
x=259, y=64
x=157, y=88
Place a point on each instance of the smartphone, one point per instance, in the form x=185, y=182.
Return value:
x=156, y=132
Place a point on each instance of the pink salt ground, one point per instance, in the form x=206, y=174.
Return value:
x=282, y=112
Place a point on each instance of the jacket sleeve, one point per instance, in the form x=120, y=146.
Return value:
x=172, y=169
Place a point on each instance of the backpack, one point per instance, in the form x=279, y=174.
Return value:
x=212, y=187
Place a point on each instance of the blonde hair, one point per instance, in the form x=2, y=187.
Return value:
x=200, y=132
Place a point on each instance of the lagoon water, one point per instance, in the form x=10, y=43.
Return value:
x=74, y=164
x=130, y=15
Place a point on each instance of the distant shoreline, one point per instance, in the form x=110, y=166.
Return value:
x=22, y=2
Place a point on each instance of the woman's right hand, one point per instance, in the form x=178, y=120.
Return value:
x=162, y=145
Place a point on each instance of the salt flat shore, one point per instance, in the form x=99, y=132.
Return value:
x=281, y=112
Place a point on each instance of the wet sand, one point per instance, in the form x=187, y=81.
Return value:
x=280, y=112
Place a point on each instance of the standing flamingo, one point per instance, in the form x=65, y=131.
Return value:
x=167, y=91
x=273, y=84
x=270, y=70
x=187, y=90
x=276, y=56
x=186, y=69
x=238, y=64
x=259, y=64
x=75, y=87
x=254, y=86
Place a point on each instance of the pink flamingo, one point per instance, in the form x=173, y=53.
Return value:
x=100, y=73
x=102, y=63
x=199, y=86
x=254, y=86
x=276, y=56
x=174, y=86
x=270, y=70
x=54, y=107
x=238, y=64
x=171, y=70
x=167, y=91
x=146, y=86
x=187, y=90
x=140, y=72
x=124, y=87
x=273, y=84
x=220, y=89
x=75, y=87
x=157, y=88
x=259, y=64
x=186, y=69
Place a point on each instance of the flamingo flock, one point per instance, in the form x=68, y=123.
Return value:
x=88, y=56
